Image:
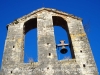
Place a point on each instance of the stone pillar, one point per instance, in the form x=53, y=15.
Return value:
x=82, y=50
x=46, y=39
x=13, y=52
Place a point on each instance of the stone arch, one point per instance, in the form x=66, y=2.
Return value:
x=59, y=21
x=29, y=26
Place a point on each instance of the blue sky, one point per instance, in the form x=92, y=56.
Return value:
x=88, y=10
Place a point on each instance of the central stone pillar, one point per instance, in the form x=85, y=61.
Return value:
x=46, y=39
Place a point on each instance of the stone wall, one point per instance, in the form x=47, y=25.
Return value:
x=44, y=19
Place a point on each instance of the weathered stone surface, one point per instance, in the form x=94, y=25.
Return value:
x=44, y=19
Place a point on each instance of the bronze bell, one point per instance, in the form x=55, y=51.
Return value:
x=62, y=44
x=63, y=50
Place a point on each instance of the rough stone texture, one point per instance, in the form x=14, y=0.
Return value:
x=44, y=19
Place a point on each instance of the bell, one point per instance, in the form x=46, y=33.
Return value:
x=63, y=50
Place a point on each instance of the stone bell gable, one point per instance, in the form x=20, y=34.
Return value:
x=44, y=19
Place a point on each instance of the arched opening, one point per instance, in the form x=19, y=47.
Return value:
x=62, y=33
x=30, y=40
x=30, y=24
